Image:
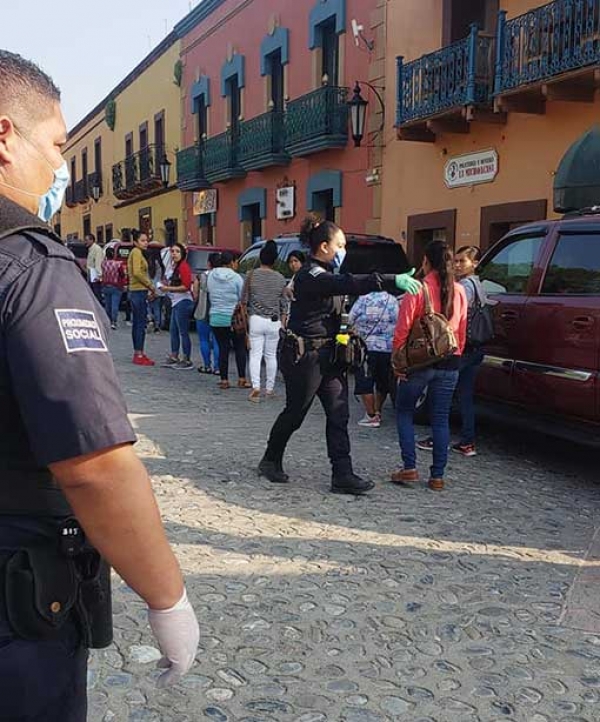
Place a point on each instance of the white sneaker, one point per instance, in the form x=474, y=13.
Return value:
x=371, y=422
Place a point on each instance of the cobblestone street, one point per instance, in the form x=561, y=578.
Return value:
x=477, y=604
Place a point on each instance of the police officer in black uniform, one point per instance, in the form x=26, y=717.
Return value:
x=72, y=490
x=308, y=355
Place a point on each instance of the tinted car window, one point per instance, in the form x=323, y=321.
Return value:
x=508, y=270
x=365, y=257
x=79, y=250
x=198, y=260
x=575, y=266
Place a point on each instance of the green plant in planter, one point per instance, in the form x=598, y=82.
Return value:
x=178, y=73
x=110, y=114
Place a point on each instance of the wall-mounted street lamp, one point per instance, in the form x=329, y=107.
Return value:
x=96, y=190
x=165, y=170
x=358, y=112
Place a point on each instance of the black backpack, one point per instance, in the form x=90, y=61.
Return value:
x=480, y=323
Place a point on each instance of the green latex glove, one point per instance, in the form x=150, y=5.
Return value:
x=406, y=282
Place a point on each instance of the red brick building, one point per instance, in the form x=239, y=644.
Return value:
x=265, y=132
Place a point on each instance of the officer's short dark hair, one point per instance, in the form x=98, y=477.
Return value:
x=26, y=91
x=268, y=253
x=90, y=237
x=226, y=258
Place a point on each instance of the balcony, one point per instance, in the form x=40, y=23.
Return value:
x=262, y=142
x=443, y=91
x=138, y=174
x=317, y=121
x=549, y=53
x=70, y=197
x=81, y=193
x=94, y=179
x=190, y=169
x=221, y=157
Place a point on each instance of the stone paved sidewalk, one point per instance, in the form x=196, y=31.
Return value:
x=476, y=604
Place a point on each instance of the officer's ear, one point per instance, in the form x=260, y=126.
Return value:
x=8, y=136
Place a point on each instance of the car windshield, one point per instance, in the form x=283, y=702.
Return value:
x=79, y=250
x=198, y=259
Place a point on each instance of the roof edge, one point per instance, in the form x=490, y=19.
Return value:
x=143, y=65
x=198, y=14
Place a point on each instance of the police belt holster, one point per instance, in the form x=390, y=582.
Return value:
x=58, y=581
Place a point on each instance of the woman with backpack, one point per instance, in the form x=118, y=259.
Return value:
x=466, y=261
x=114, y=282
x=449, y=299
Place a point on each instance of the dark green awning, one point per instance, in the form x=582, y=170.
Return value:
x=577, y=180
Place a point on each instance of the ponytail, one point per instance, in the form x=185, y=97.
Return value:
x=315, y=231
x=440, y=257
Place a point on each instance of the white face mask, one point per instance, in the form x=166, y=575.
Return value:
x=51, y=201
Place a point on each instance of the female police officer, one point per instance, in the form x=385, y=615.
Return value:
x=307, y=360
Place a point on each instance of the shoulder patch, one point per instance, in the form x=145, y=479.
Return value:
x=80, y=330
x=316, y=271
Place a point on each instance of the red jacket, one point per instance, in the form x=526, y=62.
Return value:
x=413, y=307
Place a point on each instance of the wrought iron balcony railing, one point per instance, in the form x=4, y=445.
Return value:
x=453, y=77
x=81, y=191
x=70, y=197
x=317, y=121
x=221, y=157
x=543, y=43
x=262, y=141
x=138, y=173
x=190, y=168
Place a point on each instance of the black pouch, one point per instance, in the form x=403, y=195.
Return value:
x=351, y=355
x=93, y=607
x=290, y=350
x=40, y=591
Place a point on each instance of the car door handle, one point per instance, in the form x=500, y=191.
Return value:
x=509, y=315
x=582, y=322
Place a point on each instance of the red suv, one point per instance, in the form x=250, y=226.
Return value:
x=542, y=366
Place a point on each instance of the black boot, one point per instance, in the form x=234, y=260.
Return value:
x=273, y=471
x=349, y=483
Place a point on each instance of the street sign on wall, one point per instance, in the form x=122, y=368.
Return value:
x=466, y=170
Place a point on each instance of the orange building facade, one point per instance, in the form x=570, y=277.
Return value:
x=489, y=96
x=265, y=131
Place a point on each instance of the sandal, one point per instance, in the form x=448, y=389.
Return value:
x=244, y=384
x=224, y=385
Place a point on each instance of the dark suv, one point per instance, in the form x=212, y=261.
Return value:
x=543, y=363
x=365, y=254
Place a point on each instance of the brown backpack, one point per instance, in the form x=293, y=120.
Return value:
x=431, y=339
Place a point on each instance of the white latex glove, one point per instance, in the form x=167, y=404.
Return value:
x=177, y=633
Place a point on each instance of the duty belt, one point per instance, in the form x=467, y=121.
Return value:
x=314, y=344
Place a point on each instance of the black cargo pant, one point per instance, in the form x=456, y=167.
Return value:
x=314, y=375
x=42, y=681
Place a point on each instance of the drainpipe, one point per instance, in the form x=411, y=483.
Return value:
x=500, y=36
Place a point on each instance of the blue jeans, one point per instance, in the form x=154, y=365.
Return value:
x=180, y=327
x=465, y=389
x=139, y=310
x=209, y=348
x=155, y=309
x=112, y=299
x=441, y=383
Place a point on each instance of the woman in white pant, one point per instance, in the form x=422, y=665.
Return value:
x=264, y=295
